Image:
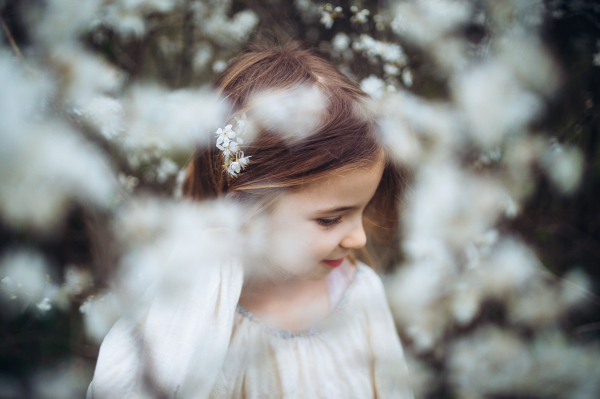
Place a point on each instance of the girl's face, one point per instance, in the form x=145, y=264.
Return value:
x=312, y=230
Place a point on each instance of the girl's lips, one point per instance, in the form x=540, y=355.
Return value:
x=334, y=263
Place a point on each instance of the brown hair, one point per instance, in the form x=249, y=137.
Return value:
x=344, y=139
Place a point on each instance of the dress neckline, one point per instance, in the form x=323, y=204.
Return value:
x=310, y=332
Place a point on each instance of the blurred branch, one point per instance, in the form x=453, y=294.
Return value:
x=266, y=15
x=587, y=328
x=185, y=72
x=126, y=197
x=124, y=59
x=11, y=40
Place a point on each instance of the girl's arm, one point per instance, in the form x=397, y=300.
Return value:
x=177, y=350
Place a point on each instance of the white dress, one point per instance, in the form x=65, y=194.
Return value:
x=210, y=347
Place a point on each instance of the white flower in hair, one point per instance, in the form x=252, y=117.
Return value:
x=234, y=168
x=237, y=166
x=234, y=159
x=224, y=136
x=243, y=160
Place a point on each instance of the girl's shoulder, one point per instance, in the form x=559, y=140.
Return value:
x=369, y=277
x=369, y=289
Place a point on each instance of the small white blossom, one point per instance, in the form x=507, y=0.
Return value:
x=391, y=70
x=360, y=17
x=86, y=305
x=373, y=86
x=76, y=280
x=224, y=137
x=99, y=315
x=328, y=14
x=223, y=30
x=407, y=77
x=326, y=19
x=202, y=57
x=166, y=168
x=219, y=66
x=25, y=274
x=340, y=42
x=234, y=168
x=244, y=160
x=388, y=52
x=294, y=113
x=129, y=183
x=45, y=305
x=564, y=166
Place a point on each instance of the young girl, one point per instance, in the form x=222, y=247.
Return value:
x=307, y=320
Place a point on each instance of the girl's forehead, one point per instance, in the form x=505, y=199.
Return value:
x=349, y=188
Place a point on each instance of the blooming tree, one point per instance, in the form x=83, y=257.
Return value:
x=103, y=102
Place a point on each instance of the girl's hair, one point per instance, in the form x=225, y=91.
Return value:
x=344, y=139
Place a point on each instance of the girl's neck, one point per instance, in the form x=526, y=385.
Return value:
x=290, y=304
x=280, y=288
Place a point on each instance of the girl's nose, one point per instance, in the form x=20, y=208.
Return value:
x=356, y=237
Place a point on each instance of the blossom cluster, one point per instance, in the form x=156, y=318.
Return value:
x=229, y=141
x=328, y=14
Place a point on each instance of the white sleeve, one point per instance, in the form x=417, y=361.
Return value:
x=390, y=372
x=178, y=349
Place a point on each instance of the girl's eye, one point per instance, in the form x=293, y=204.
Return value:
x=328, y=222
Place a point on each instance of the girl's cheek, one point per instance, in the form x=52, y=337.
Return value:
x=289, y=249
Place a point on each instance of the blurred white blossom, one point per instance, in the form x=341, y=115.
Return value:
x=564, y=166
x=373, y=86
x=100, y=312
x=511, y=266
x=62, y=20
x=42, y=157
x=375, y=49
x=329, y=14
x=407, y=77
x=66, y=380
x=25, y=277
x=341, y=42
x=295, y=113
x=105, y=114
x=52, y=163
x=427, y=20
x=76, y=280
x=84, y=75
x=494, y=103
x=45, y=305
x=228, y=31
x=129, y=183
x=360, y=16
x=450, y=205
x=127, y=17
x=202, y=57
x=496, y=362
x=219, y=66
x=151, y=122
x=418, y=293
x=401, y=140
x=167, y=242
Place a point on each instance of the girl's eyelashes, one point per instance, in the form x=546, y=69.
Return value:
x=329, y=222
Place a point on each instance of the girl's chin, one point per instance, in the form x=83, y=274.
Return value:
x=312, y=271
